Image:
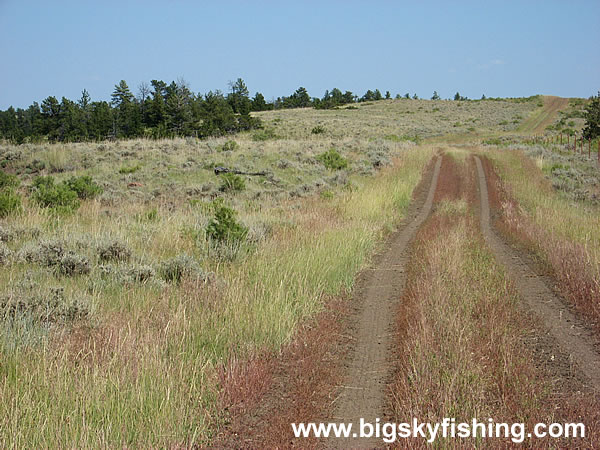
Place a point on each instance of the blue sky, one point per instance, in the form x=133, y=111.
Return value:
x=501, y=48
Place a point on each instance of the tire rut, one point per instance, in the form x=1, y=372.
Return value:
x=364, y=391
x=566, y=329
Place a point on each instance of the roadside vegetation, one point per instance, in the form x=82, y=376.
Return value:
x=123, y=261
x=126, y=261
x=561, y=232
x=464, y=346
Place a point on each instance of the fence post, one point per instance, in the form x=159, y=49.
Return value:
x=560, y=138
x=589, y=147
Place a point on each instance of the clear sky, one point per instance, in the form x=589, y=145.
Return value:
x=498, y=48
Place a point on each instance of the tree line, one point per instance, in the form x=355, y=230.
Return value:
x=159, y=110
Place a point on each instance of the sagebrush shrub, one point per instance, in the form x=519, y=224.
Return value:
x=318, y=130
x=41, y=304
x=175, y=269
x=73, y=264
x=5, y=254
x=47, y=253
x=113, y=251
x=140, y=273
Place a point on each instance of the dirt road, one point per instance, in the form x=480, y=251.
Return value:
x=540, y=119
x=364, y=389
x=343, y=387
x=568, y=332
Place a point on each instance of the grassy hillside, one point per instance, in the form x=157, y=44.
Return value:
x=118, y=316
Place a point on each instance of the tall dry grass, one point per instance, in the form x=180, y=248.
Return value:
x=146, y=370
x=562, y=233
x=462, y=346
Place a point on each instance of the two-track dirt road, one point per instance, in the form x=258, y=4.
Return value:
x=540, y=119
x=363, y=392
x=364, y=389
x=363, y=370
x=568, y=332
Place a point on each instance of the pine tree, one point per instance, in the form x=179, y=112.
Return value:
x=435, y=96
x=239, y=97
x=121, y=95
x=259, y=103
x=592, y=118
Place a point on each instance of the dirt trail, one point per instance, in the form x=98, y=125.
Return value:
x=364, y=390
x=538, y=122
x=562, y=325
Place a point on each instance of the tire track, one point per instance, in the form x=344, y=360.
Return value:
x=563, y=326
x=364, y=390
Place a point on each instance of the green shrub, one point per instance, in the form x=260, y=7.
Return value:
x=332, y=160
x=318, y=130
x=48, y=194
x=327, y=195
x=8, y=181
x=264, y=135
x=223, y=227
x=127, y=170
x=84, y=186
x=10, y=202
x=151, y=215
x=228, y=146
x=493, y=141
x=230, y=182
